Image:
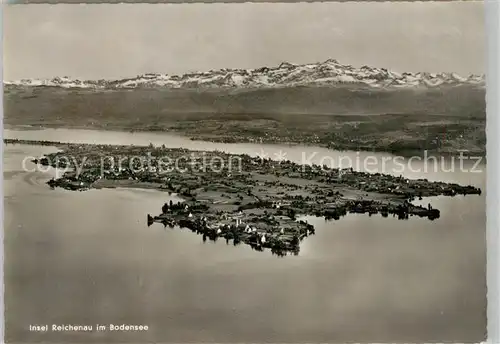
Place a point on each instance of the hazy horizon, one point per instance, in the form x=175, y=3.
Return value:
x=111, y=41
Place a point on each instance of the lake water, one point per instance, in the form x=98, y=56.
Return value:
x=88, y=258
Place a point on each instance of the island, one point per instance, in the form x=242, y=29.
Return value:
x=240, y=198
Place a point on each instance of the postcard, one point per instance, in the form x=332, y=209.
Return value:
x=245, y=172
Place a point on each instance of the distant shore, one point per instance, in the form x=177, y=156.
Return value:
x=404, y=147
x=441, y=121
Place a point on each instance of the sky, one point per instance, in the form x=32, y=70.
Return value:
x=109, y=41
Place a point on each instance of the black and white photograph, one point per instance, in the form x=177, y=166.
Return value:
x=245, y=172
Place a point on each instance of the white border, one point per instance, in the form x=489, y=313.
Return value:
x=492, y=12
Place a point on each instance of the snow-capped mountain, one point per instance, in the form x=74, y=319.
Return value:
x=330, y=72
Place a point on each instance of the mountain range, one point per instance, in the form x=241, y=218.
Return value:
x=326, y=73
